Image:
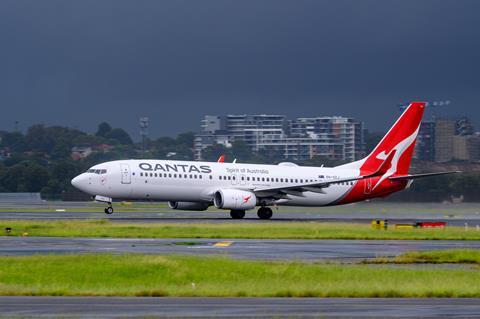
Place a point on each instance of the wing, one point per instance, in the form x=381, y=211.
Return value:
x=317, y=187
x=415, y=176
x=299, y=189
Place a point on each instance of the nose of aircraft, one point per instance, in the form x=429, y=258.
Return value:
x=79, y=182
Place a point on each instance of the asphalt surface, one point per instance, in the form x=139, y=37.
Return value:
x=236, y=248
x=117, y=307
x=212, y=217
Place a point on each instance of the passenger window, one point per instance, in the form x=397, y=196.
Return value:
x=263, y=179
x=248, y=178
x=233, y=177
x=210, y=176
x=301, y=181
x=195, y=176
x=170, y=175
x=151, y=174
x=200, y=176
x=141, y=174
x=155, y=174
x=229, y=177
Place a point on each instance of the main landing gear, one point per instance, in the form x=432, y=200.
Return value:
x=264, y=212
x=109, y=209
x=237, y=214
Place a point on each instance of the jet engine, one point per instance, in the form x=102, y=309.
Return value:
x=188, y=205
x=234, y=199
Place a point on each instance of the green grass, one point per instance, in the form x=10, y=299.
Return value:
x=147, y=275
x=291, y=230
x=454, y=256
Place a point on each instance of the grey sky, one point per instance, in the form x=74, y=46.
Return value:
x=77, y=63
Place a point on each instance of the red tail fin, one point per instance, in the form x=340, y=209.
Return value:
x=401, y=138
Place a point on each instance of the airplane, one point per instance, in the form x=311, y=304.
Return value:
x=189, y=185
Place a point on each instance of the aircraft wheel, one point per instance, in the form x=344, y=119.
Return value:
x=264, y=213
x=237, y=214
x=109, y=210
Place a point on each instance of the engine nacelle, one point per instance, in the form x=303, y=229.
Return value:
x=188, y=205
x=234, y=199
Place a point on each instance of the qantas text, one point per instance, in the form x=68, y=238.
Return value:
x=181, y=168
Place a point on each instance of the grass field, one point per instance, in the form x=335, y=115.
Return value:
x=456, y=256
x=293, y=230
x=142, y=275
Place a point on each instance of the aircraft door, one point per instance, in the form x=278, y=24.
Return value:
x=126, y=176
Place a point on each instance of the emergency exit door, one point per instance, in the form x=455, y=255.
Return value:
x=126, y=176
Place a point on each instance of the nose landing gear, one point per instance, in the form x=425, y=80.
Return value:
x=109, y=209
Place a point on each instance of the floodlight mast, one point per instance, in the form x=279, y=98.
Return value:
x=144, y=121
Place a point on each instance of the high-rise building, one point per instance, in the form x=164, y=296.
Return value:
x=333, y=137
x=425, y=146
x=333, y=130
x=444, y=133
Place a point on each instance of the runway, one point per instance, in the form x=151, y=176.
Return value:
x=236, y=248
x=223, y=217
x=115, y=307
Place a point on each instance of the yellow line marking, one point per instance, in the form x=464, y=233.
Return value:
x=223, y=244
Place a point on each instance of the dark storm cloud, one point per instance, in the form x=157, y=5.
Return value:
x=81, y=62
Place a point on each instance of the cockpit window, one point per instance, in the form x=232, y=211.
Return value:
x=97, y=171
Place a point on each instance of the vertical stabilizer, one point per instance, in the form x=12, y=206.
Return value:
x=400, y=138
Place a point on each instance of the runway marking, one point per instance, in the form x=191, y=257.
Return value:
x=223, y=244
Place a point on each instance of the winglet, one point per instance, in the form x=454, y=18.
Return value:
x=221, y=159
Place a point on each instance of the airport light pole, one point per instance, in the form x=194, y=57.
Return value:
x=144, y=133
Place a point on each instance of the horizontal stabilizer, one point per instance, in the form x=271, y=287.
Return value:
x=415, y=176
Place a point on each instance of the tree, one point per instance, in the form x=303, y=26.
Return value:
x=103, y=129
x=212, y=153
x=25, y=177
x=241, y=151
x=186, y=139
x=15, y=141
x=120, y=136
x=371, y=140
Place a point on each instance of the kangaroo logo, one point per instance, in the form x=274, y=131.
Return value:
x=399, y=149
x=246, y=199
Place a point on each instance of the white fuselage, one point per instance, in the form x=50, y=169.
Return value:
x=165, y=180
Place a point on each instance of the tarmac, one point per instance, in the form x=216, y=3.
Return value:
x=308, y=250
x=259, y=249
x=472, y=220
x=122, y=307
